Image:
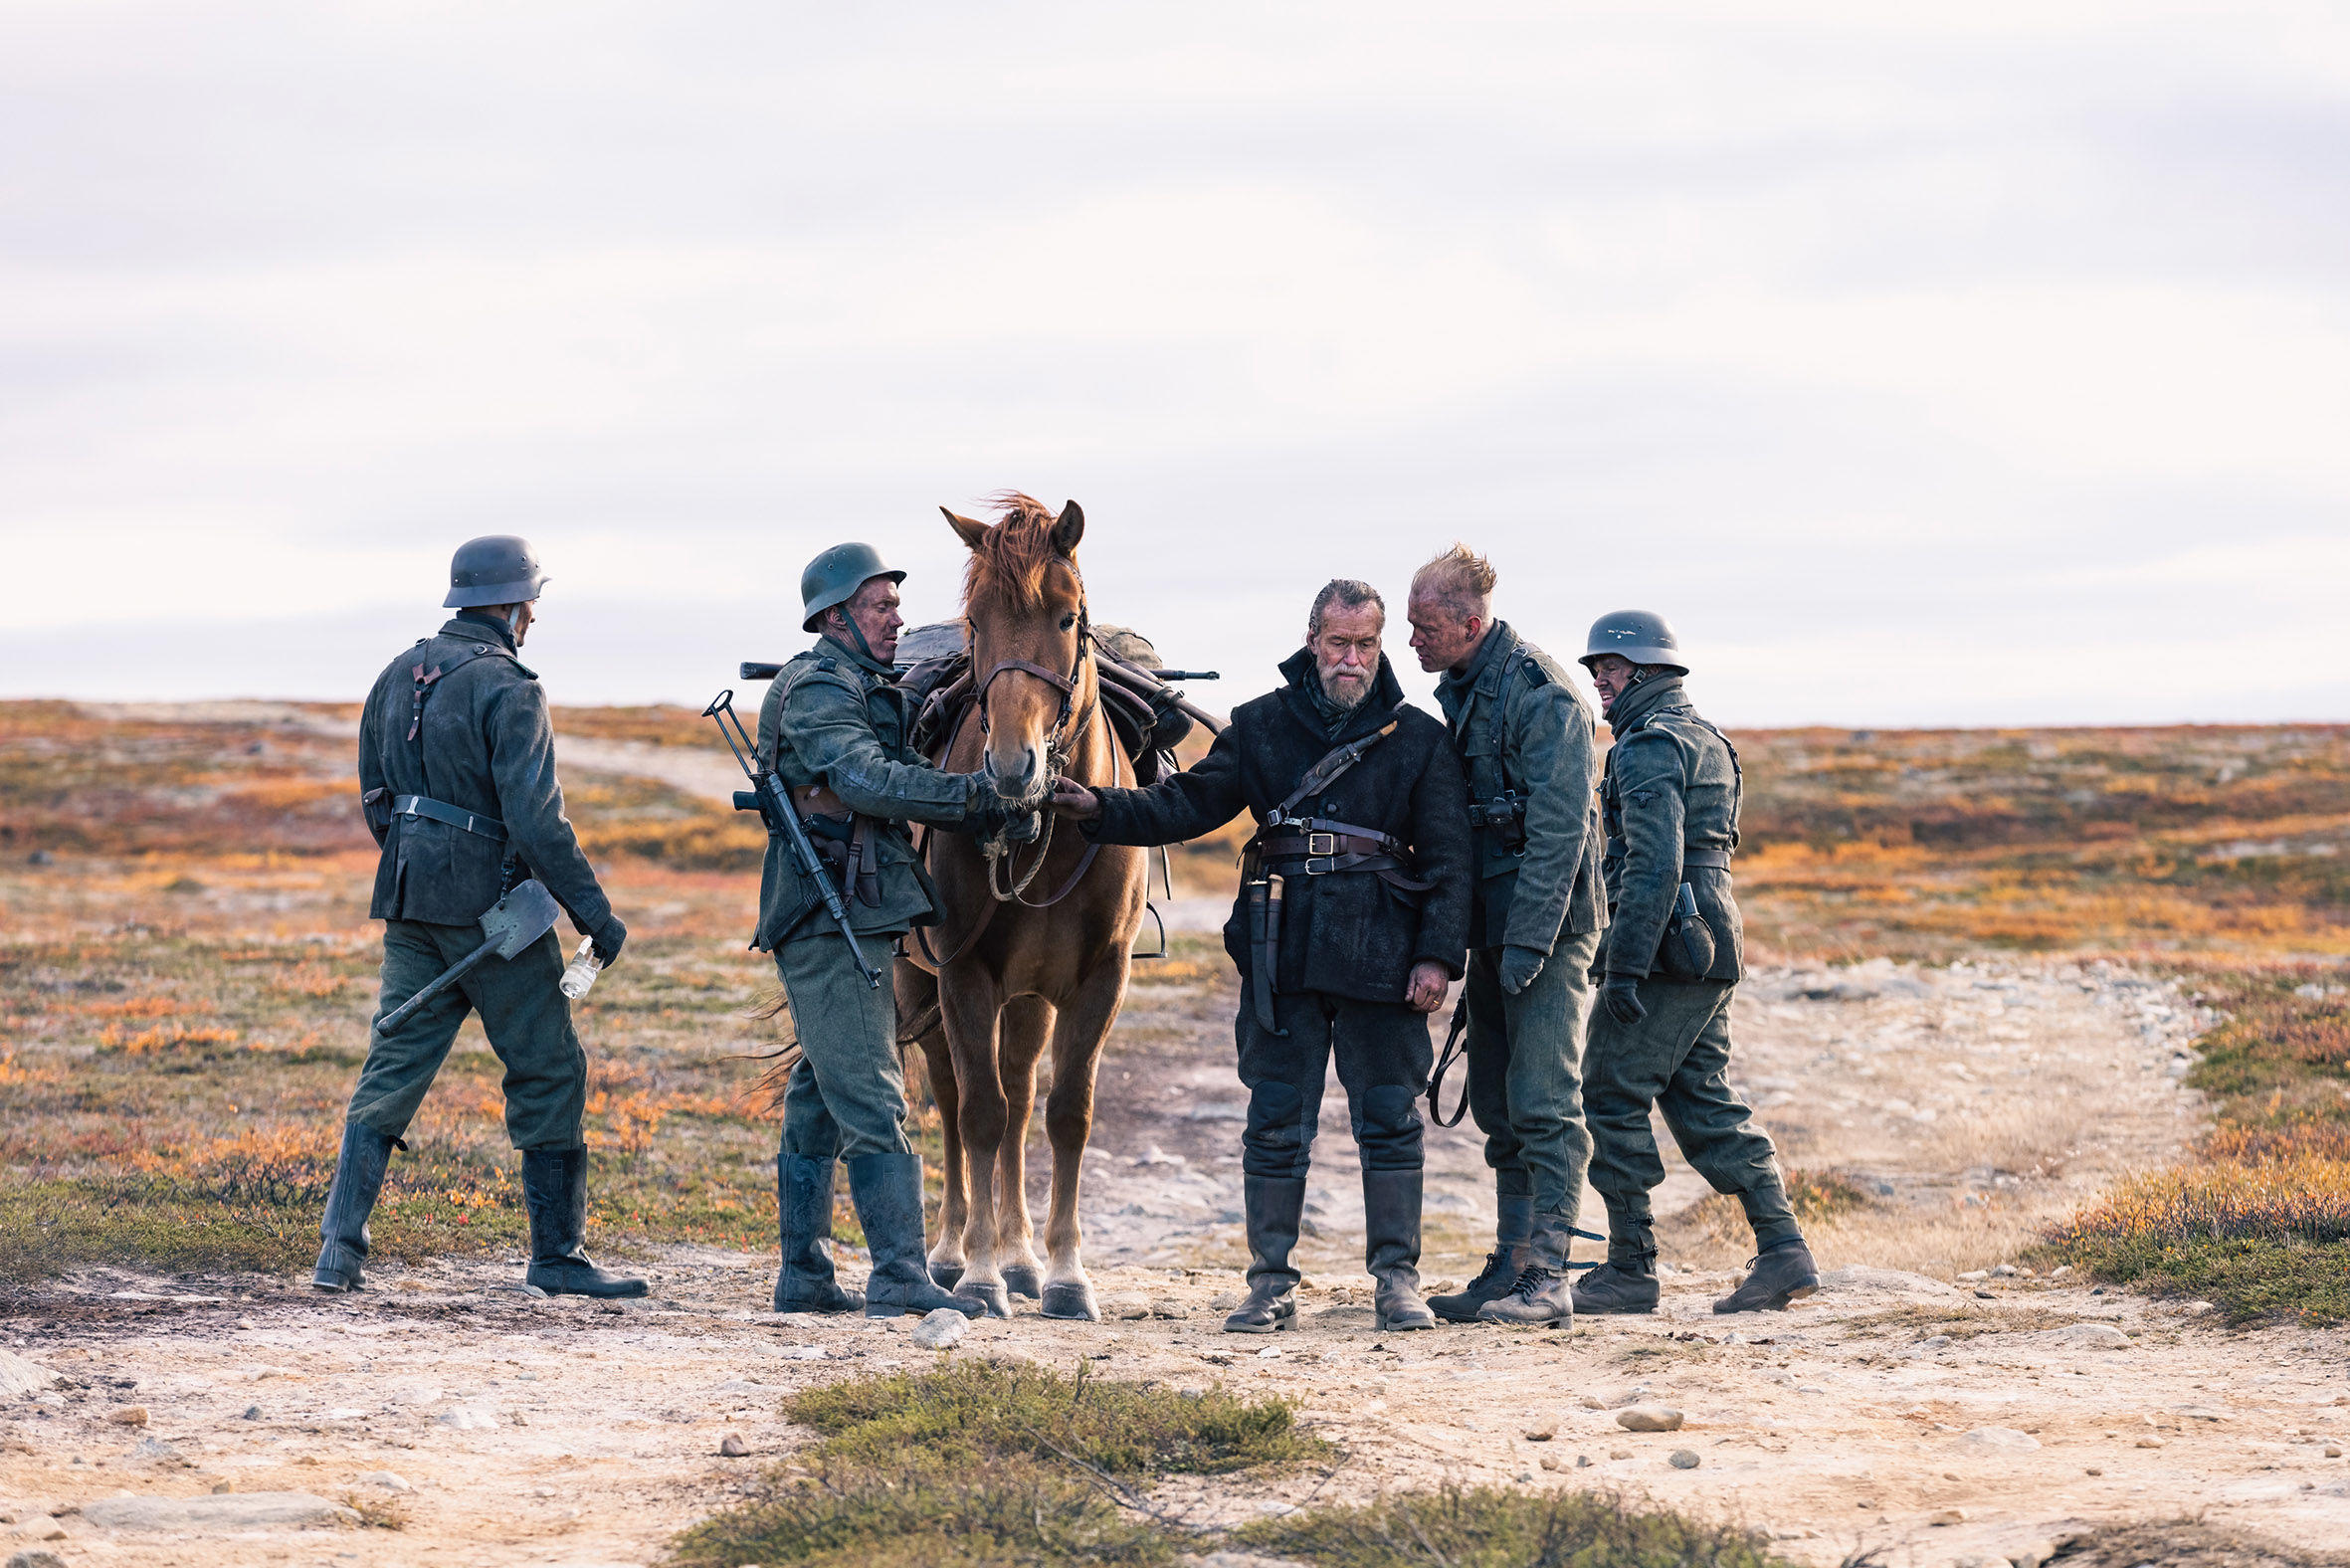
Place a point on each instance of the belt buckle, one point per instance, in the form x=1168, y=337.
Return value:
x=1323, y=869
x=1322, y=846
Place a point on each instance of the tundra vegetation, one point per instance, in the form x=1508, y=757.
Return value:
x=187, y=972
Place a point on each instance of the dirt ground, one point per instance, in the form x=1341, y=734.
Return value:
x=1968, y=1104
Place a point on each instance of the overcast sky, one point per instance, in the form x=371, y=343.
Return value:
x=1924, y=364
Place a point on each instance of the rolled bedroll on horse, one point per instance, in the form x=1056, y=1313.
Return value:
x=1138, y=696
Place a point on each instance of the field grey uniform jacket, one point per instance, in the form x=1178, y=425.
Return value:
x=485, y=744
x=1671, y=785
x=1544, y=747
x=837, y=718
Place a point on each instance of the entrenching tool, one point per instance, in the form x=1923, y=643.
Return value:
x=523, y=915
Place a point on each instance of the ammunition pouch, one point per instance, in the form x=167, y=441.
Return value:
x=376, y=806
x=846, y=846
x=1505, y=817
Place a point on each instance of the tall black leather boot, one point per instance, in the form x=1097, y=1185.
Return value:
x=554, y=1190
x=1391, y=1233
x=803, y=1219
x=1275, y=1206
x=1514, y=1222
x=342, y=1228
x=888, y=1192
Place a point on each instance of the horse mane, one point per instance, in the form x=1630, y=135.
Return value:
x=1012, y=558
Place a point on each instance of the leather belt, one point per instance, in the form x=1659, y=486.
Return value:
x=1322, y=846
x=1716, y=860
x=456, y=816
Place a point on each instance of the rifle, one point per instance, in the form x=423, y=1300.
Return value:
x=773, y=803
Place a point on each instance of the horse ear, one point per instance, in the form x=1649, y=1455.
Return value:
x=1069, y=527
x=971, y=528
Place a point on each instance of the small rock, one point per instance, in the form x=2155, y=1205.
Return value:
x=1684, y=1459
x=222, y=1489
x=941, y=1328
x=2001, y=1438
x=1591, y=1402
x=2005, y=1271
x=2089, y=1336
x=2150, y=1441
x=19, y=1377
x=1619, y=1453
x=157, y=1449
x=1226, y=1301
x=1947, y=1516
x=389, y=1481
x=465, y=1418
x=2333, y=1450
x=129, y=1416
x=732, y=1447
x=1985, y=1295
x=2092, y=1470
x=1976, y=1274
x=1583, y=1462
x=2202, y=1413
x=1541, y=1434
x=253, y=1413
x=1168, y=1306
x=1649, y=1418
x=1127, y=1307
x=36, y=1558
x=2032, y=1555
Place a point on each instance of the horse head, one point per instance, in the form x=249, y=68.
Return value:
x=1025, y=605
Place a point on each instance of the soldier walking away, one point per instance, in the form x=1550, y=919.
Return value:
x=1352, y=920
x=457, y=768
x=836, y=730
x=1528, y=745
x=1668, y=802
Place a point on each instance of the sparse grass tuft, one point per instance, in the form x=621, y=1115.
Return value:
x=2258, y=1220
x=1494, y=1527
x=973, y=1411
x=976, y=1466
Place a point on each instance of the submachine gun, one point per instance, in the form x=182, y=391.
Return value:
x=768, y=797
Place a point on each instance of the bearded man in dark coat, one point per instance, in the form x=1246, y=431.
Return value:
x=1354, y=918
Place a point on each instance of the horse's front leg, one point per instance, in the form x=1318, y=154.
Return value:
x=1027, y=1022
x=946, y=1253
x=1078, y=1037
x=971, y=1006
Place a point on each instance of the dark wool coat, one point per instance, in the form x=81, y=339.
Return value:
x=1351, y=934
x=484, y=745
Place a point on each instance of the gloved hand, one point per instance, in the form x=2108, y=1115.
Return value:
x=609, y=938
x=1621, y=996
x=1519, y=966
x=1023, y=827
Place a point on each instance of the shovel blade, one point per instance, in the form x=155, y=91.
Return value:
x=526, y=913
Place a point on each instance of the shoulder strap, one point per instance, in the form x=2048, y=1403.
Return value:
x=1334, y=766
x=426, y=679
x=1499, y=698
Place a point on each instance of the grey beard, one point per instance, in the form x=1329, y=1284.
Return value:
x=1347, y=703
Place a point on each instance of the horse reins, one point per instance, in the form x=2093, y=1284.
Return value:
x=1012, y=887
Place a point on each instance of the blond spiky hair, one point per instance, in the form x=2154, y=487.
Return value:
x=1461, y=580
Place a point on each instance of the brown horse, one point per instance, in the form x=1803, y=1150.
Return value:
x=1034, y=938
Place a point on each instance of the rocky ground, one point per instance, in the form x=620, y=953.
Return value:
x=1927, y=1403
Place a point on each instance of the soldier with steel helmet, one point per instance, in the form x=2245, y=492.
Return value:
x=837, y=730
x=457, y=768
x=1670, y=961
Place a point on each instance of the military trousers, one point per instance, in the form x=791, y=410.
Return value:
x=845, y=1097
x=1384, y=1057
x=1525, y=1074
x=526, y=1016
x=1678, y=1060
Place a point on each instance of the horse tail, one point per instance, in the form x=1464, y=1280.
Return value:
x=767, y=1090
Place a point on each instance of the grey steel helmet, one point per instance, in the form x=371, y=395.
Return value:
x=834, y=577
x=1641, y=636
x=498, y=568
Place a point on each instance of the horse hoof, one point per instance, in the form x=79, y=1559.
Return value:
x=1023, y=1279
x=991, y=1296
x=1074, y=1301
x=945, y=1275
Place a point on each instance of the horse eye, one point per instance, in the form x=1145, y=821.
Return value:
x=1068, y=620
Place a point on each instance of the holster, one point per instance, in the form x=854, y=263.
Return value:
x=846, y=845
x=1687, y=951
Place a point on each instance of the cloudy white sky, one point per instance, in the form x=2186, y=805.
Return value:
x=1973, y=363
